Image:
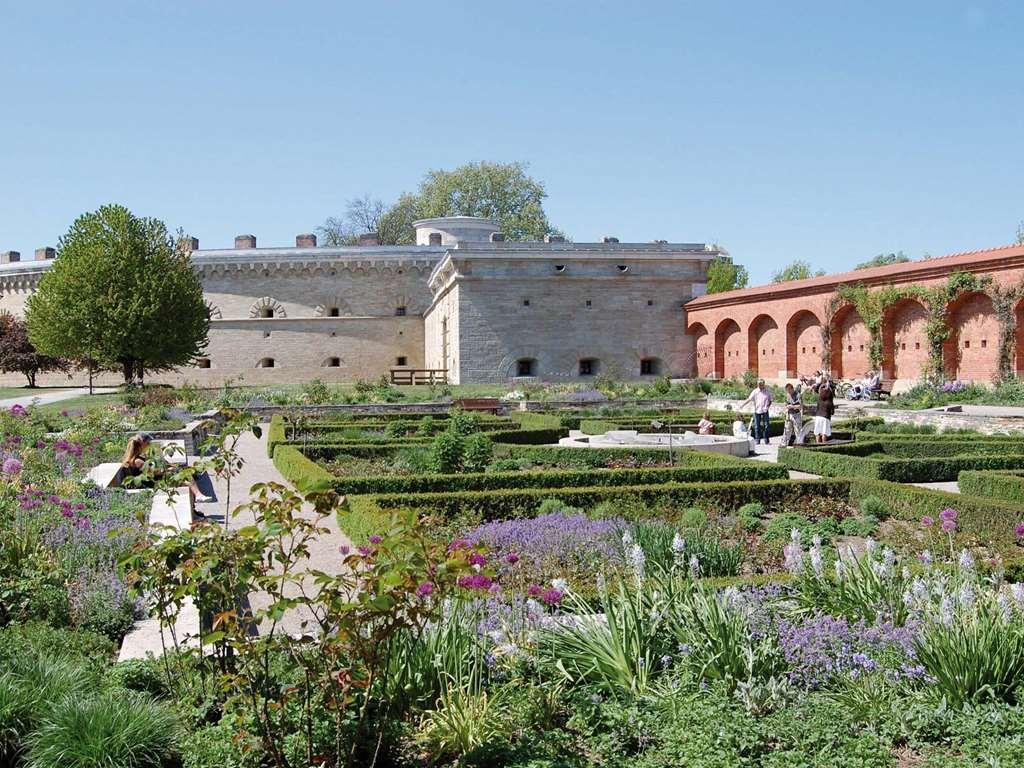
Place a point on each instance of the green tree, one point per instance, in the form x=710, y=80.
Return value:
x=17, y=355
x=1020, y=233
x=798, y=270
x=723, y=275
x=121, y=292
x=884, y=259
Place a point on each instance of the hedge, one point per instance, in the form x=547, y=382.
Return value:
x=482, y=481
x=300, y=471
x=854, y=462
x=991, y=521
x=522, y=502
x=1004, y=486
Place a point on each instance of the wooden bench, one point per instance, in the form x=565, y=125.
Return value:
x=481, y=404
x=884, y=391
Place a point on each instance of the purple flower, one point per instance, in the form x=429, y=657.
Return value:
x=344, y=549
x=927, y=521
x=426, y=589
x=365, y=551
x=477, y=559
x=533, y=590
x=12, y=466
x=375, y=539
x=475, y=581
x=459, y=544
x=18, y=410
x=948, y=514
x=1019, y=531
x=551, y=596
x=511, y=558
x=949, y=526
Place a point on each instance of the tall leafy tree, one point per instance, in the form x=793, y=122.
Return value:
x=884, y=259
x=122, y=293
x=724, y=275
x=798, y=270
x=18, y=355
x=1020, y=233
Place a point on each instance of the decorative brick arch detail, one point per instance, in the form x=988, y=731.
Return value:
x=904, y=339
x=215, y=313
x=850, y=352
x=324, y=309
x=730, y=353
x=412, y=307
x=803, y=343
x=765, y=347
x=971, y=350
x=704, y=350
x=266, y=302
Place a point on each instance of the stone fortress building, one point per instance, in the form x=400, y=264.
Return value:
x=461, y=302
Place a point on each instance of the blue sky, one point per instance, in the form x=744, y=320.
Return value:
x=780, y=130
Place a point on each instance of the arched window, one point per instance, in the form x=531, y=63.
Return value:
x=267, y=312
x=589, y=366
x=650, y=366
x=526, y=366
x=334, y=312
x=266, y=362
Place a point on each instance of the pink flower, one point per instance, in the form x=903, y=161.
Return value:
x=365, y=551
x=533, y=590
x=475, y=581
x=458, y=544
x=552, y=596
x=426, y=589
x=511, y=558
x=375, y=539
x=18, y=410
x=64, y=413
x=12, y=466
x=1019, y=531
x=477, y=559
x=949, y=525
x=344, y=549
x=948, y=514
x=927, y=521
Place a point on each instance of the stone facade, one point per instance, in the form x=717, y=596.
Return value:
x=461, y=299
x=775, y=330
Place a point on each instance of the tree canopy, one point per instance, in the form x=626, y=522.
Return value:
x=884, y=259
x=121, y=293
x=17, y=355
x=1020, y=233
x=798, y=270
x=724, y=275
x=502, y=191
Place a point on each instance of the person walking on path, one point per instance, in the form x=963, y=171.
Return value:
x=794, y=415
x=824, y=410
x=761, y=397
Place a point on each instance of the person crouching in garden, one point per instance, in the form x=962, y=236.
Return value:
x=761, y=397
x=133, y=464
x=791, y=433
x=824, y=410
x=706, y=426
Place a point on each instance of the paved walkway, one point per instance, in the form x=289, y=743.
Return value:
x=258, y=468
x=42, y=396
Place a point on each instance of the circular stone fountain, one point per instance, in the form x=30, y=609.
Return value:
x=630, y=438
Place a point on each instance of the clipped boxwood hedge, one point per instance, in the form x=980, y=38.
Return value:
x=480, y=481
x=302, y=472
x=523, y=502
x=1004, y=486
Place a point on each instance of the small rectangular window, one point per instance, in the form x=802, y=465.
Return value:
x=903, y=346
x=400, y=360
x=399, y=311
x=849, y=348
x=861, y=347
x=650, y=302
x=967, y=344
x=203, y=362
x=984, y=343
x=917, y=345
x=589, y=303
x=526, y=302
x=803, y=350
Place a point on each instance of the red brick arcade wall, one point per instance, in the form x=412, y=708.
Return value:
x=775, y=330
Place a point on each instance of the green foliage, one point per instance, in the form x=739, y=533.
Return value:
x=874, y=507
x=780, y=528
x=659, y=542
x=750, y=379
x=1005, y=485
x=884, y=260
x=396, y=429
x=315, y=392
x=114, y=728
x=121, y=293
x=477, y=452
x=304, y=474
x=861, y=525
x=693, y=518
x=447, y=452
x=798, y=270
x=724, y=275
x=463, y=423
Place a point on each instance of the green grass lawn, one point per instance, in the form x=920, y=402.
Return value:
x=82, y=402
x=7, y=392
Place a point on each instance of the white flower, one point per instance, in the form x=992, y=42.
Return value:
x=946, y=611
x=637, y=561
x=966, y=562
x=794, y=558
x=559, y=584
x=1017, y=591
x=870, y=545
x=794, y=536
x=817, y=564
x=926, y=559
x=967, y=595
x=840, y=569
x=627, y=539
x=602, y=587
x=694, y=566
x=1004, y=605
x=678, y=544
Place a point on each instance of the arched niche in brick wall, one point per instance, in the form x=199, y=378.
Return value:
x=803, y=343
x=266, y=307
x=704, y=350
x=730, y=350
x=850, y=352
x=1019, y=339
x=765, y=347
x=972, y=349
x=904, y=340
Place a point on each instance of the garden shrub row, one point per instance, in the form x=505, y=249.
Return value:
x=523, y=502
x=855, y=460
x=481, y=481
x=914, y=446
x=1006, y=485
x=301, y=471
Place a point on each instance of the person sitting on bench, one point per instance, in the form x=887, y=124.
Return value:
x=133, y=464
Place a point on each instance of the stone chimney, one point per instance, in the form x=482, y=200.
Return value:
x=42, y=254
x=554, y=239
x=497, y=237
x=610, y=239
x=369, y=238
x=435, y=238
x=307, y=240
x=245, y=241
x=9, y=257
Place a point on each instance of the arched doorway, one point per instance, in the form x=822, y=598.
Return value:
x=972, y=350
x=803, y=343
x=904, y=340
x=766, y=350
x=703, y=350
x=730, y=354
x=850, y=352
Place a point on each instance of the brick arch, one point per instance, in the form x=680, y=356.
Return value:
x=266, y=303
x=904, y=340
x=1019, y=339
x=766, y=348
x=850, y=353
x=730, y=355
x=704, y=350
x=972, y=349
x=335, y=302
x=803, y=343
